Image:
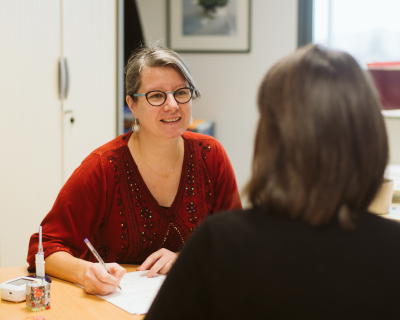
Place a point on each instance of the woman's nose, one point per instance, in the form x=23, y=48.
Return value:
x=170, y=102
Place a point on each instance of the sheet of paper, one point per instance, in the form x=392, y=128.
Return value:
x=138, y=292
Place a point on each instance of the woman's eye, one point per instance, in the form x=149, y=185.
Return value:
x=182, y=93
x=156, y=96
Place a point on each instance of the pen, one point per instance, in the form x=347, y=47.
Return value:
x=99, y=259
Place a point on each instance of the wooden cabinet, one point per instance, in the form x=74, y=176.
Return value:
x=40, y=145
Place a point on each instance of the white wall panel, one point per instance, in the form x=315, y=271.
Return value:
x=37, y=138
x=89, y=46
x=30, y=118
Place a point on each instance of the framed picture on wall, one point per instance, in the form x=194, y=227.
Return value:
x=209, y=25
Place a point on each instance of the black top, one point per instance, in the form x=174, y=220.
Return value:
x=250, y=265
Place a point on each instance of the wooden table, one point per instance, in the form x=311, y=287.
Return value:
x=68, y=301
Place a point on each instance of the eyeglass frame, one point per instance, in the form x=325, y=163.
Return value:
x=192, y=90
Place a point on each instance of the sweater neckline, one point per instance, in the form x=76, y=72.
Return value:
x=145, y=189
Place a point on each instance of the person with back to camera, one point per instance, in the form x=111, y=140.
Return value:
x=140, y=196
x=308, y=248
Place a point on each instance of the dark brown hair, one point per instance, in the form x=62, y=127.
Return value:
x=321, y=145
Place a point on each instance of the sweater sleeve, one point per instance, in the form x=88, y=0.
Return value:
x=226, y=193
x=76, y=214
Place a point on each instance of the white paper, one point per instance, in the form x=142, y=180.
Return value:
x=138, y=292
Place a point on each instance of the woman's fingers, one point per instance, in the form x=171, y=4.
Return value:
x=116, y=270
x=98, y=287
x=165, y=269
x=99, y=281
x=156, y=267
x=151, y=260
x=160, y=261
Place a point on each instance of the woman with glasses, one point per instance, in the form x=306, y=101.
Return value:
x=139, y=197
x=309, y=248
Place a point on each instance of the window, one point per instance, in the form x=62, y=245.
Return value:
x=367, y=29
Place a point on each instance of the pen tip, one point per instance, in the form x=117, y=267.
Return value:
x=86, y=240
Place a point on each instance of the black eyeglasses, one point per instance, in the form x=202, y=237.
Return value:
x=157, y=98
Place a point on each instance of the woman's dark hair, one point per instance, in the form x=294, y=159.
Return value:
x=321, y=145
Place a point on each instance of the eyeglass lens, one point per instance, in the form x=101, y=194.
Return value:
x=157, y=98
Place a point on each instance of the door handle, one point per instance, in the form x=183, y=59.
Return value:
x=66, y=78
x=63, y=78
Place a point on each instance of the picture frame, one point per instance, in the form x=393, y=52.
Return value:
x=209, y=26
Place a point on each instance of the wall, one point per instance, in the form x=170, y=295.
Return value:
x=229, y=82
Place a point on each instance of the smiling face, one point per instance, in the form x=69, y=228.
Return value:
x=170, y=119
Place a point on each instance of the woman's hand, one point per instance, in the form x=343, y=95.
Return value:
x=98, y=281
x=160, y=261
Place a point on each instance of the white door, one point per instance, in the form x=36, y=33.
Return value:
x=40, y=147
x=30, y=121
x=89, y=46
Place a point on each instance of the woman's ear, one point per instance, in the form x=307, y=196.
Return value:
x=131, y=105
